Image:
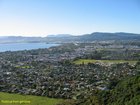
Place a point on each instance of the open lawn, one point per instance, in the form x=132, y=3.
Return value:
x=86, y=61
x=16, y=99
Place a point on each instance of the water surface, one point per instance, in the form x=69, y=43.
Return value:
x=24, y=46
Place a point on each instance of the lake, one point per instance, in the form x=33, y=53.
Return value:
x=24, y=46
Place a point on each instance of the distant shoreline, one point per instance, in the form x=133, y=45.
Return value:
x=26, y=42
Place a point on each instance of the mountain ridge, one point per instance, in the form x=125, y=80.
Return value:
x=64, y=38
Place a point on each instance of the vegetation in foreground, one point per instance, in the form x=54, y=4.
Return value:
x=125, y=92
x=16, y=99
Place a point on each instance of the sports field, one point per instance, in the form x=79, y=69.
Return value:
x=86, y=61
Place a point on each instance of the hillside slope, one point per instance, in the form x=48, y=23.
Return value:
x=16, y=99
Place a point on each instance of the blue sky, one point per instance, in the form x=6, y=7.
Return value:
x=43, y=17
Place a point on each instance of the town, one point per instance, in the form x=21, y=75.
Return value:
x=53, y=72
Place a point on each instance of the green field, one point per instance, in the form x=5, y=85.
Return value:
x=16, y=99
x=86, y=61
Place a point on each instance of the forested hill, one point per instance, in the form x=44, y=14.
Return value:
x=64, y=38
x=126, y=92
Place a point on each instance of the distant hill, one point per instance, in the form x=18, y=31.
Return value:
x=19, y=39
x=109, y=36
x=65, y=38
x=97, y=36
x=60, y=35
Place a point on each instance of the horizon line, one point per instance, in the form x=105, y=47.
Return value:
x=62, y=34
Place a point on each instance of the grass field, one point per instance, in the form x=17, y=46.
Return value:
x=86, y=61
x=16, y=99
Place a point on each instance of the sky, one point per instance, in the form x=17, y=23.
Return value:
x=76, y=17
